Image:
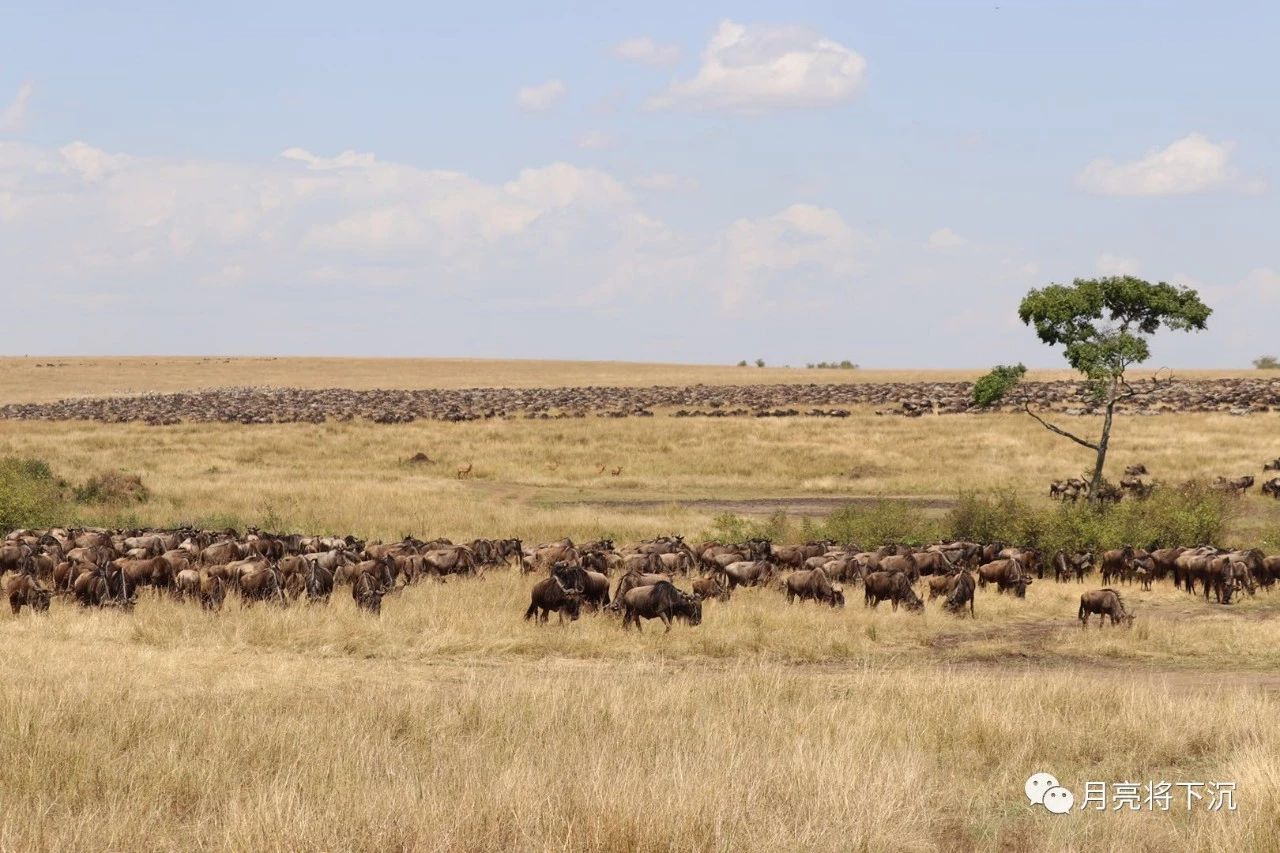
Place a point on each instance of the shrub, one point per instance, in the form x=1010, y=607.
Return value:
x=1192, y=514
x=992, y=387
x=729, y=527
x=1267, y=362
x=113, y=487
x=30, y=496
x=883, y=521
x=759, y=362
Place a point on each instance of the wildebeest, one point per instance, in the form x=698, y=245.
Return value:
x=660, y=601
x=1066, y=566
x=749, y=573
x=961, y=592
x=813, y=584
x=893, y=587
x=709, y=586
x=367, y=593
x=1104, y=602
x=550, y=594
x=1006, y=574
x=25, y=591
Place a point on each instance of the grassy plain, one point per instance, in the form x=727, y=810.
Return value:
x=43, y=378
x=541, y=480
x=449, y=723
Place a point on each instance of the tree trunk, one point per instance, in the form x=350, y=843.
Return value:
x=1101, y=459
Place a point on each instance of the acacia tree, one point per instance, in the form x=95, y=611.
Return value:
x=1104, y=324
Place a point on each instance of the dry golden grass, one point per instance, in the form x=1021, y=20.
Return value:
x=449, y=723
x=43, y=378
x=541, y=480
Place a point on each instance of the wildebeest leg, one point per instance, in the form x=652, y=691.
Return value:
x=666, y=620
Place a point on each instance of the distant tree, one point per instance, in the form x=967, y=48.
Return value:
x=742, y=363
x=1103, y=324
x=1267, y=362
x=759, y=362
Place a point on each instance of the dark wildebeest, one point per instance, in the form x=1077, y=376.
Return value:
x=631, y=580
x=1066, y=566
x=1104, y=602
x=961, y=591
x=892, y=586
x=660, y=601
x=367, y=593
x=813, y=584
x=25, y=591
x=550, y=594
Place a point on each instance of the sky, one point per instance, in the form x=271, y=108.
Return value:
x=798, y=182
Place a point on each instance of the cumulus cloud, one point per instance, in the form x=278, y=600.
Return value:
x=800, y=246
x=13, y=118
x=646, y=51
x=1192, y=164
x=754, y=69
x=945, y=238
x=542, y=97
x=665, y=182
x=1109, y=264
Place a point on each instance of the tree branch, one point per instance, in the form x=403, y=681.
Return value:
x=1059, y=430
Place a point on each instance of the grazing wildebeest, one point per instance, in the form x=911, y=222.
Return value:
x=813, y=584
x=1066, y=566
x=261, y=583
x=1006, y=574
x=25, y=591
x=550, y=594
x=660, y=601
x=891, y=586
x=631, y=580
x=1105, y=602
x=367, y=593
x=961, y=591
x=749, y=573
x=212, y=593
x=709, y=586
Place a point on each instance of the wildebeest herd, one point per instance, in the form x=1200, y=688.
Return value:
x=1132, y=484
x=112, y=568
x=910, y=399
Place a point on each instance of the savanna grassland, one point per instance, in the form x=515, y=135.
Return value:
x=450, y=723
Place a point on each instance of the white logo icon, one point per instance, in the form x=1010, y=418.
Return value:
x=1059, y=800
x=1038, y=784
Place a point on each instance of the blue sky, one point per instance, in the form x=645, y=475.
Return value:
x=798, y=182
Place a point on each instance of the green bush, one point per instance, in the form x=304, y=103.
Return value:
x=993, y=387
x=883, y=521
x=1193, y=514
x=30, y=496
x=1267, y=362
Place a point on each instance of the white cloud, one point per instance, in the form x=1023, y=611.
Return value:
x=595, y=140
x=1192, y=164
x=945, y=238
x=646, y=51
x=345, y=160
x=759, y=68
x=665, y=182
x=13, y=118
x=542, y=97
x=802, y=245
x=1109, y=264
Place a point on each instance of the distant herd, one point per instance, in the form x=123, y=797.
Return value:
x=1076, y=488
x=909, y=399
x=112, y=568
